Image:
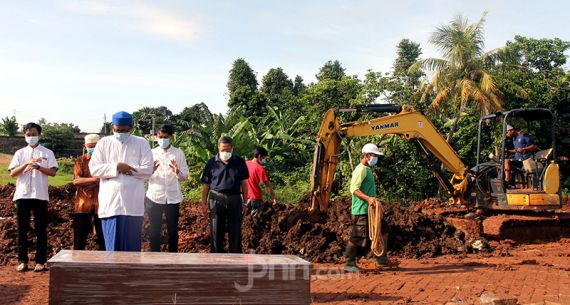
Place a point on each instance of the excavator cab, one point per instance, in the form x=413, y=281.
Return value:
x=534, y=182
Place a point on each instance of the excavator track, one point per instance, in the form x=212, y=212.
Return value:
x=521, y=228
x=527, y=228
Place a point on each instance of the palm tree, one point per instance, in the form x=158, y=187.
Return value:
x=460, y=78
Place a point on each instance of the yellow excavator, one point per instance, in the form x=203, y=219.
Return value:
x=537, y=196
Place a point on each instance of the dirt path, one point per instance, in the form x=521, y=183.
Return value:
x=528, y=273
x=5, y=158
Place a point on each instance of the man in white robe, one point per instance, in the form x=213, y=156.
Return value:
x=122, y=162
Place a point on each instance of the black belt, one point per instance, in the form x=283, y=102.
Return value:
x=225, y=193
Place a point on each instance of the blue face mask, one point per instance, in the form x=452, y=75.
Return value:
x=163, y=143
x=373, y=161
x=90, y=151
x=121, y=136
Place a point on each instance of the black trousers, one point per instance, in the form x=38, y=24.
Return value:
x=225, y=216
x=83, y=224
x=155, y=211
x=24, y=210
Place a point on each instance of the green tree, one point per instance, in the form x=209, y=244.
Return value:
x=298, y=86
x=195, y=115
x=405, y=82
x=408, y=53
x=242, y=89
x=460, y=77
x=376, y=85
x=537, y=67
x=9, y=126
x=540, y=54
x=329, y=93
x=58, y=136
x=399, y=86
x=332, y=70
x=277, y=89
x=143, y=118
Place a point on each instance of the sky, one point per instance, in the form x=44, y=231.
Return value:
x=77, y=61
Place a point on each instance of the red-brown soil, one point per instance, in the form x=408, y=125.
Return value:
x=279, y=230
x=439, y=263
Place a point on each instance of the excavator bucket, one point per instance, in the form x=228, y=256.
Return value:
x=325, y=161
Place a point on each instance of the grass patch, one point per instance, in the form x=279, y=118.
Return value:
x=63, y=176
x=291, y=192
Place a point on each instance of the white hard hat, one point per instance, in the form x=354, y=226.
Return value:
x=371, y=149
x=91, y=138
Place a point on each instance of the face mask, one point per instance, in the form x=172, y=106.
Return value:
x=121, y=136
x=163, y=143
x=90, y=151
x=225, y=156
x=373, y=161
x=262, y=161
x=32, y=140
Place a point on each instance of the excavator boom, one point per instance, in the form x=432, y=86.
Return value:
x=408, y=124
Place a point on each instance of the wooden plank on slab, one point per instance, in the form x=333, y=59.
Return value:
x=99, y=277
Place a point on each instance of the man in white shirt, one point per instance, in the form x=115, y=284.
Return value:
x=164, y=194
x=122, y=162
x=31, y=167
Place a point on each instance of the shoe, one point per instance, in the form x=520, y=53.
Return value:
x=22, y=267
x=351, y=268
x=350, y=254
x=510, y=187
x=383, y=261
x=40, y=267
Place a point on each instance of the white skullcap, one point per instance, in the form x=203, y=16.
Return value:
x=91, y=138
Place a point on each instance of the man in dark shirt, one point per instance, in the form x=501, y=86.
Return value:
x=523, y=148
x=225, y=181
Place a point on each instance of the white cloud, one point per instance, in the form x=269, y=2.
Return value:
x=145, y=18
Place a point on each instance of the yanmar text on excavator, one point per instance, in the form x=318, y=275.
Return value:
x=533, y=200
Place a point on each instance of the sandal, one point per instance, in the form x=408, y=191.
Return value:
x=40, y=267
x=22, y=267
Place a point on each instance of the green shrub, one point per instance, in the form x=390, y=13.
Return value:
x=191, y=191
x=65, y=166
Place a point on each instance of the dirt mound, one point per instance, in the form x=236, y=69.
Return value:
x=278, y=230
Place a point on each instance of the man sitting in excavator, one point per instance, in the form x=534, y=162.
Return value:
x=523, y=148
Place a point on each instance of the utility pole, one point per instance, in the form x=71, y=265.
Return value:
x=153, y=116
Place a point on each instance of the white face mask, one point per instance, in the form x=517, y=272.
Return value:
x=32, y=140
x=225, y=155
x=372, y=161
x=163, y=143
x=121, y=136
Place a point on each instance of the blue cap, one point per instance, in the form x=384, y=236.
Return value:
x=122, y=118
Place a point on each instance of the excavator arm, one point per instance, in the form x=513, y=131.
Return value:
x=407, y=124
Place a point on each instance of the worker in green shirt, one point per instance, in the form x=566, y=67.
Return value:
x=363, y=190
